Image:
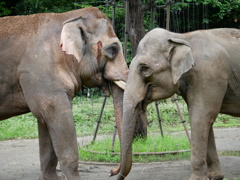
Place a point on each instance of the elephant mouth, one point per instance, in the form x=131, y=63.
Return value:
x=105, y=88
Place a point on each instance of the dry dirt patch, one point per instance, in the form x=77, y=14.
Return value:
x=19, y=160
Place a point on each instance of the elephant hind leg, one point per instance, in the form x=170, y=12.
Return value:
x=48, y=157
x=214, y=169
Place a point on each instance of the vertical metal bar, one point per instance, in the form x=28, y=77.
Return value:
x=114, y=137
x=168, y=15
x=182, y=118
x=152, y=15
x=126, y=28
x=99, y=119
x=114, y=14
x=159, y=118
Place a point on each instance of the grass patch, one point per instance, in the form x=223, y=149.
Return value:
x=87, y=110
x=154, y=143
x=230, y=153
x=19, y=127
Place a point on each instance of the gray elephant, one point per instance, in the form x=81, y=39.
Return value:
x=204, y=68
x=44, y=60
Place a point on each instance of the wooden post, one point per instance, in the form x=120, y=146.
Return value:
x=126, y=28
x=168, y=15
x=114, y=14
x=99, y=119
x=181, y=116
x=159, y=118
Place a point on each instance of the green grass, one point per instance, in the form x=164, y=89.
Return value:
x=102, y=150
x=230, y=153
x=19, y=127
x=86, y=112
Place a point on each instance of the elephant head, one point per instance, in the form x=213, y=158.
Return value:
x=90, y=38
x=154, y=74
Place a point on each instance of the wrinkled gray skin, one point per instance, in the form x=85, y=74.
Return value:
x=44, y=60
x=204, y=68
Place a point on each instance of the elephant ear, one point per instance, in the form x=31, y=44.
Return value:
x=181, y=58
x=74, y=38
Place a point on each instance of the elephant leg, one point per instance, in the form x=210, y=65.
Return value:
x=214, y=168
x=63, y=135
x=204, y=105
x=203, y=112
x=199, y=138
x=48, y=158
x=53, y=108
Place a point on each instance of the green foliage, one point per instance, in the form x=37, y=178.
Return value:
x=4, y=11
x=25, y=7
x=213, y=13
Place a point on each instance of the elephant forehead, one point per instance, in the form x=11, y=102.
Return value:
x=97, y=20
x=152, y=53
x=104, y=27
x=153, y=45
x=155, y=39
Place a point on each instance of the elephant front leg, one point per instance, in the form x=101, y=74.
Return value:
x=63, y=135
x=48, y=157
x=198, y=153
x=204, y=105
x=201, y=129
x=52, y=107
x=214, y=169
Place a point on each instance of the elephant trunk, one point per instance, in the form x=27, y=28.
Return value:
x=128, y=129
x=132, y=111
x=118, y=106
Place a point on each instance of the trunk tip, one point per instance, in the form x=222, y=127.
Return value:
x=115, y=171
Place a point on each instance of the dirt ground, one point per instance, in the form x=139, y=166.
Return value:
x=19, y=160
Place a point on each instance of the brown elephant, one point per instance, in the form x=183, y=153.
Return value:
x=201, y=66
x=47, y=58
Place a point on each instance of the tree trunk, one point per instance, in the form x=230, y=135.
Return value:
x=136, y=23
x=136, y=32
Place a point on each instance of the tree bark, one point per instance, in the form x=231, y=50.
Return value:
x=136, y=24
x=136, y=32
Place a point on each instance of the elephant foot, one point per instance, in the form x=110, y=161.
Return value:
x=196, y=177
x=59, y=176
x=50, y=177
x=215, y=175
x=216, y=178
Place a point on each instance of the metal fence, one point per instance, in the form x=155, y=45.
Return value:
x=173, y=15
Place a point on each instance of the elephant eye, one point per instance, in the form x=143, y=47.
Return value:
x=145, y=70
x=111, y=51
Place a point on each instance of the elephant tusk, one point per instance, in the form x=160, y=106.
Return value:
x=120, y=84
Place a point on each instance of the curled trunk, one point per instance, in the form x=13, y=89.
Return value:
x=133, y=110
